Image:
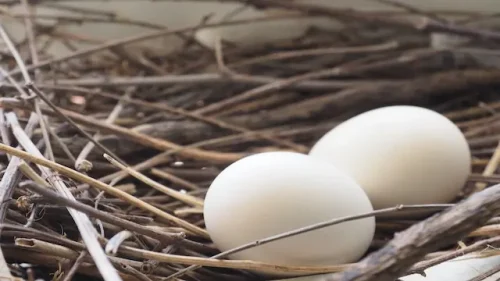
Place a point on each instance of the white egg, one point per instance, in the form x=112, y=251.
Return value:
x=274, y=192
x=253, y=33
x=399, y=155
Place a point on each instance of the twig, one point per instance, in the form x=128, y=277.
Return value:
x=41, y=95
x=234, y=264
x=134, y=272
x=214, y=121
x=27, y=79
x=74, y=268
x=51, y=261
x=219, y=58
x=66, y=252
x=280, y=84
x=141, y=37
x=416, y=89
x=7, y=184
x=423, y=265
x=4, y=132
x=411, y=9
x=382, y=47
x=486, y=274
x=125, y=224
x=300, y=231
x=62, y=145
x=44, y=125
x=163, y=157
x=45, y=247
x=194, y=201
x=9, y=180
x=42, y=121
x=46, y=235
x=175, y=179
x=100, y=185
x=36, y=245
x=422, y=24
x=161, y=144
x=188, y=211
x=13, y=83
x=207, y=78
x=471, y=111
x=490, y=168
x=12, y=175
x=115, y=241
x=82, y=221
x=156, y=160
x=31, y=174
x=80, y=19
x=80, y=10
x=90, y=145
x=451, y=225
x=488, y=230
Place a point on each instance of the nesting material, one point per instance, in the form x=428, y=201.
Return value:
x=134, y=141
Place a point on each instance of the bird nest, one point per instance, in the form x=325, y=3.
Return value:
x=172, y=123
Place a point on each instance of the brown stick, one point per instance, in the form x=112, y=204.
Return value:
x=109, y=189
x=421, y=266
x=423, y=24
x=109, y=218
x=409, y=246
x=145, y=140
x=439, y=84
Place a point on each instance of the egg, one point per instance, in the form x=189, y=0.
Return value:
x=270, y=193
x=255, y=32
x=399, y=155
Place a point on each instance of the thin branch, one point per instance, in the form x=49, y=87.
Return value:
x=9, y=180
x=41, y=95
x=102, y=186
x=83, y=223
x=186, y=198
x=4, y=131
x=214, y=121
x=490, y=168
x=90, y=145
x=284, y=83
x=132, y=271
x=12, y=175
x=44, y=125
x=423, y=265
x=208, y=78
x=116, y=241
x=304, y=230
x=175, y=179
x=161, y=144
x=141, y=37
x=421, y=24
x=125, y=224
x=411, y=9
x=394, y=259
x=485, y=275
x=41, y=120
x=74, y=268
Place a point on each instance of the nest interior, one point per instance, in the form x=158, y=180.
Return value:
x=180, y=119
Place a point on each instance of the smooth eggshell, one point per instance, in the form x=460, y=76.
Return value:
x=399, y=155
x=273, y=192
x=254, y=32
